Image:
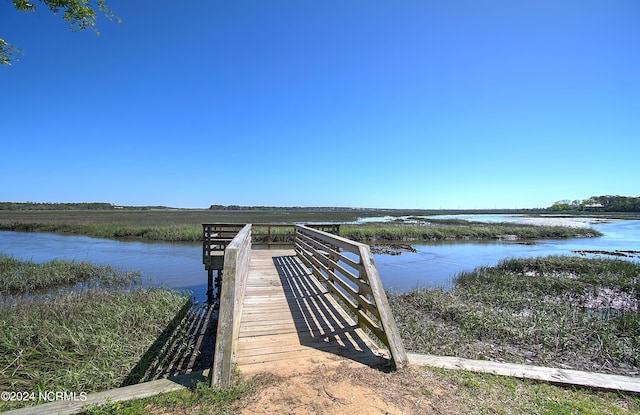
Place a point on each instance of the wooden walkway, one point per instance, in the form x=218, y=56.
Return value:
x=290, y=322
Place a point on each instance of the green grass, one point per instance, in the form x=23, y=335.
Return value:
x=18, y=276
x=557, y=311
x=194, y=218
x=77, y=341
x=460, y=230
x=186, y=225
x=200, y=399
x=171, y=233
x=80, y=342
x=490, y=394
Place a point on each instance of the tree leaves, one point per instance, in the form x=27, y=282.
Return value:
x=81, y=15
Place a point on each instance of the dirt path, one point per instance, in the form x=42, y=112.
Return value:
x=348, y=388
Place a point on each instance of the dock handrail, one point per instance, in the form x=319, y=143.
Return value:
x=347, y=269
x=267, y=233
x=236, y=270
x=216, y=236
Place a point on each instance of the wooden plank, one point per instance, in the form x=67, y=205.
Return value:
x=547, y=374
x=295, y=316
x=280, y=318
x=253, y=350
x=327, y=341
x=350, y=336
x=263, y=308
x=289, y=316
x=139, y=391
x=268, y=330
x=300, y=354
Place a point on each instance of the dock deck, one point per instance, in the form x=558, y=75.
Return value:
x=289, y=320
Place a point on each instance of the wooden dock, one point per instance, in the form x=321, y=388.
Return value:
x=289, y=320
x=302, y=307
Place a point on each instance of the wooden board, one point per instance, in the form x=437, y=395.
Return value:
x=547, y=374
x=290, y=321
x=139, y=391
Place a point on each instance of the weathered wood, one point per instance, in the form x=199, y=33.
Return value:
x=216, y=237
x=334, y=240
x=127, y=393
x=547, y=374
x=262, y=234
x=289, y=319
x=272, y=300
x=236, y=271
x=363, y=294
x=396, y=347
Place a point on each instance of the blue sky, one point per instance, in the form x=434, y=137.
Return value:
x=398, y=104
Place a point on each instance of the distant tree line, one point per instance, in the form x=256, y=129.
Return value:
x=600, y=204
x=55, y=206
x=311, y=208
x=73, y=206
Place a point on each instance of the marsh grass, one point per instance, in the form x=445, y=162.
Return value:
x=80, y=342
x=489, y=394
x=73, y=340
x=558, y=311
x=186, y=225
x=17, y=276
x=459, y=230
x=262, y=235
x=170, y=233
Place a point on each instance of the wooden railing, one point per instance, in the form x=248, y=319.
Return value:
x=347, y=269
x=236, y=270
x=271, y=234
x=216, y=236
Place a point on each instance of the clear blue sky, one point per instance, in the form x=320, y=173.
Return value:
x=399, y=104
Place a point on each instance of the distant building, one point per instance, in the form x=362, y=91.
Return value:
x=593, y=206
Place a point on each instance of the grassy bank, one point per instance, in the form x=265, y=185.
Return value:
x=26, y=276
x=82, y=341
x=460, y=230
x=170, y=233
x=566, y=312
x=475, y=393
x=201, y=399
x=186, y=225
x=191, y=218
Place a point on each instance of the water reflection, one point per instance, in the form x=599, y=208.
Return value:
x=180, y=265
x=437, y=263
x=175, y=265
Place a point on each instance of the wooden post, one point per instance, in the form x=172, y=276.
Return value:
x=218, y=282
x=209, y=286
x=236, y=271
x=382, y=304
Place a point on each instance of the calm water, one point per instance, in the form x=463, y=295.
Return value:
x=175, y=265
x=180, y=265
x=436, y=264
